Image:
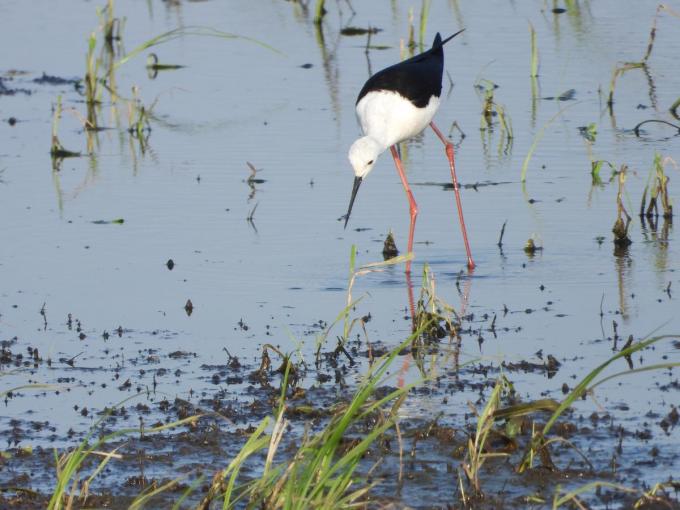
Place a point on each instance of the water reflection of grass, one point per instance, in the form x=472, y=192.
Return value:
x=100, y=75
x=642, y=64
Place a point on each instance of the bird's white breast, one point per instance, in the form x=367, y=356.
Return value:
x=390, y=118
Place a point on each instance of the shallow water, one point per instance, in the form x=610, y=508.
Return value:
x=186, y=198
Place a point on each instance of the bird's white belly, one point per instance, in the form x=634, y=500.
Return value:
x=389, y=118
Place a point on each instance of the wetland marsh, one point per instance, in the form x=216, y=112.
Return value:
x=184, y=323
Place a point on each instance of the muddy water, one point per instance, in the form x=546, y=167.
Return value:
x=290, y=113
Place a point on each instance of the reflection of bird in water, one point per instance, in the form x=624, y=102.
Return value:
x=394, y=105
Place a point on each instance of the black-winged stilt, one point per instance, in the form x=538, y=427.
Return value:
x=394, y=105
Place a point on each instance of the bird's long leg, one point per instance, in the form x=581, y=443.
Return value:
x=449, y=155
x=413, y=207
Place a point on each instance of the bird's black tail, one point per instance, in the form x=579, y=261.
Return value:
x=438, y=43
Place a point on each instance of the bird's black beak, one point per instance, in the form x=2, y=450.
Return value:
x=355, y=188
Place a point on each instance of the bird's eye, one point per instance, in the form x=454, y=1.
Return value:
x=370, y=162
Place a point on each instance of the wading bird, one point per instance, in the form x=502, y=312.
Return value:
x=394, y=105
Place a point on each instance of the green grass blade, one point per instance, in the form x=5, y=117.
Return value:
x=537, y=138
x=189, y=490
x=319, y=11
x=570, y=496
x=424, y=15
x=585, y=382
x=143, y=498
x=201, y=31
x=255, y=443
x=649, y=368
x=534, y=52
x=526, y=408
x=39, y=386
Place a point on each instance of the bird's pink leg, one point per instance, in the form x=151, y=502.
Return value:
x=413, y=207
x=449, y=155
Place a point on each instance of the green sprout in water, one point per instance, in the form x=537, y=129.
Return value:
x=424, y=15
x=534, y=51
x=595, y=169
x=492, y=109
x=57, y=150
x=477, y=448
x=589, y=132
x=138, y=119
x=620, y=228
x=319, y=12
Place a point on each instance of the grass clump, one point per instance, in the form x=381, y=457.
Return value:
x=100, y=72
x=491, y=110
x=658, y=192
x=139, y=125
x=477, y=448
x=57, y=150
x=433, y=317
x=620, y=228
x=322, y=473
x=69, y=465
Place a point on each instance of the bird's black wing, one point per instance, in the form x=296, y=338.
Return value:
x=417, y=79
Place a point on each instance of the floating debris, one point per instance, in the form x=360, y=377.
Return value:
x=117, y=221
x=153, y=63
x=568, y=95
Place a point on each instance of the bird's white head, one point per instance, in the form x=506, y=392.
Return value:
x=363, y=154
